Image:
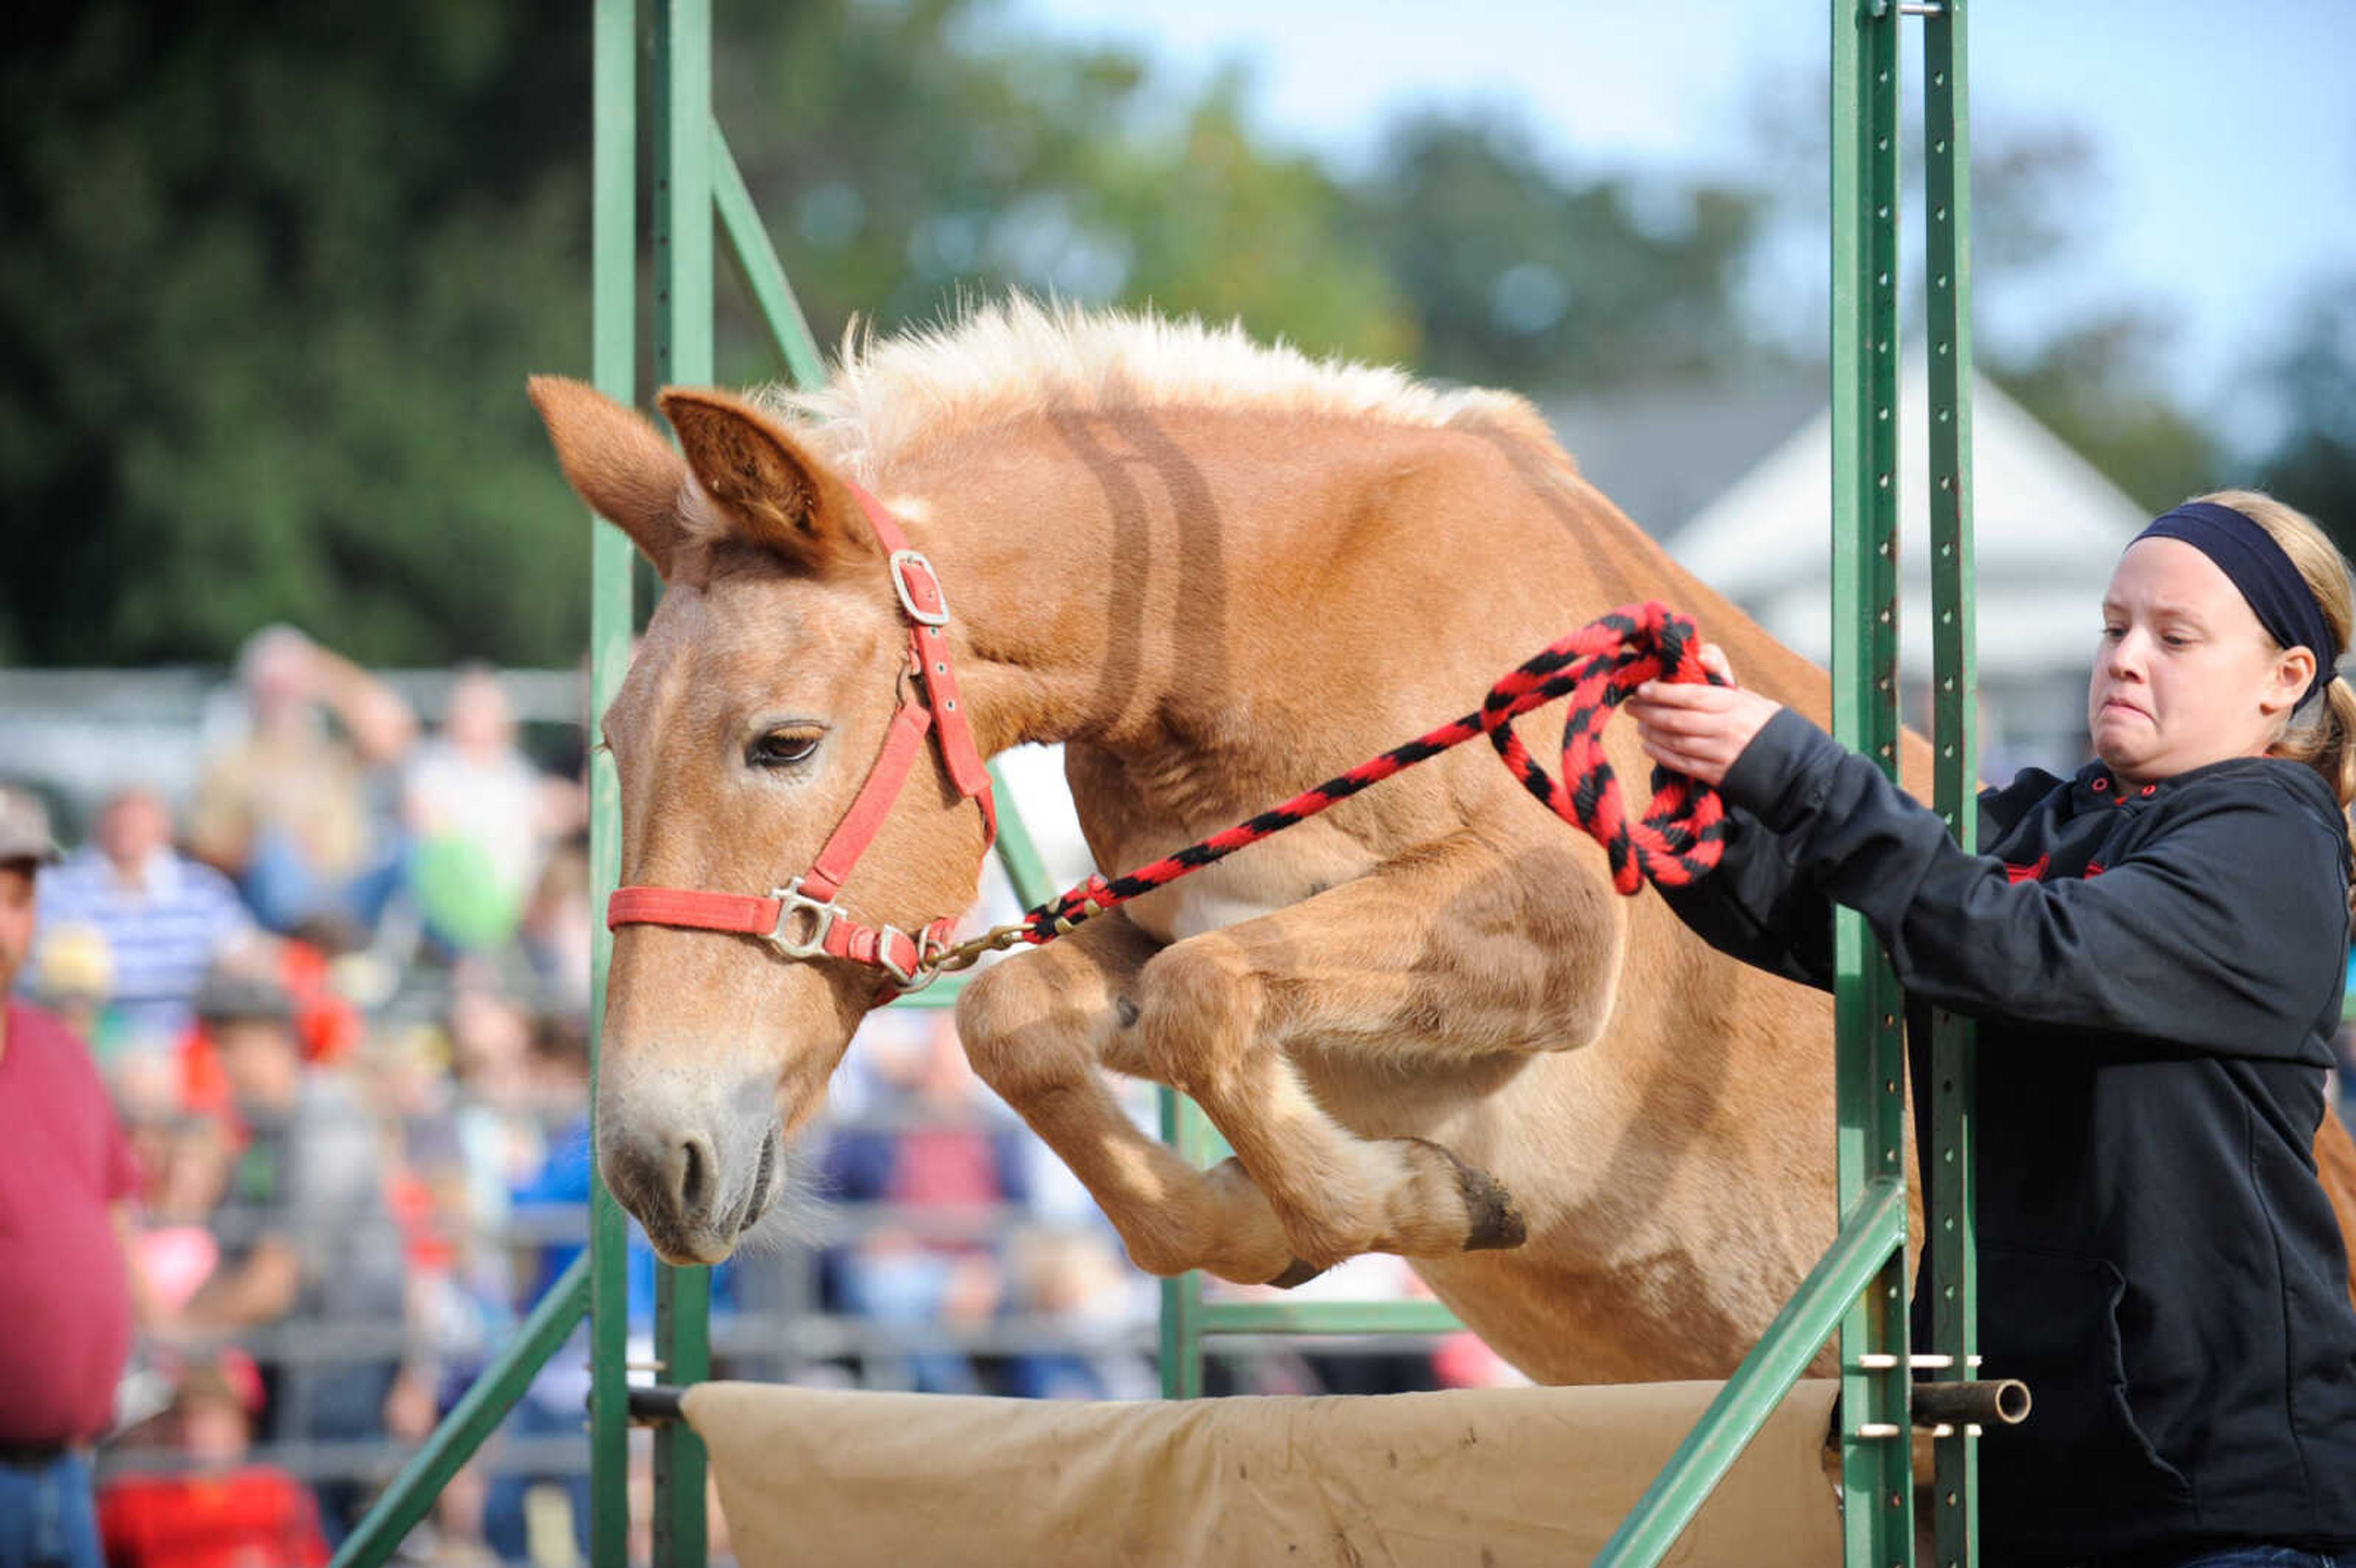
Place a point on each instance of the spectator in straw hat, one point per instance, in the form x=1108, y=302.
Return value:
x=65, y=1176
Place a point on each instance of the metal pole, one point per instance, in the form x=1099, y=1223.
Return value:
x=1183, y=1130
x=1954, y=1260
x=683, y=354
x=1868, y=1235
x=765, y=275
x=1875, y=1472
x=1017, y=854
x=612, y=618
x=475, y=1416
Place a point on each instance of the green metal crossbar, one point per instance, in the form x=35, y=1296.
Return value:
x=763, y=275
x=1872, y=1230
x=1329, y=1317
x=1859, y=1286
x=477, y=1416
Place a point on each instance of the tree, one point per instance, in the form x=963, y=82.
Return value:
x=261, y=359
x=277, y=274
x=899, y=172
x=2096, y=387
x=264, y=351
x=1526, y=276
x=2313, y=466
x=2095, y=382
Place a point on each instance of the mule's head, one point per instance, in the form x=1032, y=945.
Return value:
x=751, y=714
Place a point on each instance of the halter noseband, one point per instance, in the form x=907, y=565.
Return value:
x=801, y=919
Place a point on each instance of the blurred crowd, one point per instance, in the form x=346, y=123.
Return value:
x=338, y=999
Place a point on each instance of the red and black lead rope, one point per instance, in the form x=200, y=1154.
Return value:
x=1599, y=667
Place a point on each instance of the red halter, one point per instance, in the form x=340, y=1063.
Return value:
x=801, y=919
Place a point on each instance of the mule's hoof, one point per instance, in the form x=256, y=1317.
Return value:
x=1495, y=1219
x=1492, y=1221
x=1297, y=1273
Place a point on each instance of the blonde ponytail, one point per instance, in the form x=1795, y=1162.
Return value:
x=2328, y=744
x=2322, y=734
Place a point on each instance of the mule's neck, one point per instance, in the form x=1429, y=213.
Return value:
x=1086, y=562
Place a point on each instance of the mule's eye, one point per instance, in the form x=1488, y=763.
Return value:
x=782, y=749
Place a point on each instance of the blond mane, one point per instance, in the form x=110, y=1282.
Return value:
x=992, y=362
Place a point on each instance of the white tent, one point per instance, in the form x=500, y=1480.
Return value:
x=2048, y=528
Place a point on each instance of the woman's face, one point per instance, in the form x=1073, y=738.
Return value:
x=2186, y=676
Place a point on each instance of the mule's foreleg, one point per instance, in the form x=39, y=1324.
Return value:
x=1038, y=1028
x=1456, y=952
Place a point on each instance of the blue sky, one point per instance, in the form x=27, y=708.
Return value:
x=2223, y=132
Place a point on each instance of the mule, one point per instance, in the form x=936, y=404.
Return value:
x=1215, y=573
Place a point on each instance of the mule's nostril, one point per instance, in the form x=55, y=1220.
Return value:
x=756, y=1202
x=694, y=1175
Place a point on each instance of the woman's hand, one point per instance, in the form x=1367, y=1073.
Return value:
x=1697, y=729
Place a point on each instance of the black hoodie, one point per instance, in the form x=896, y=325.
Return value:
x=2157, y=972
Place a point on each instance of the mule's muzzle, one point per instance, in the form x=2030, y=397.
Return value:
x=694, y=1200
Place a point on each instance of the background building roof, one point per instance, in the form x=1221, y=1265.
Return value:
x=2048, y=529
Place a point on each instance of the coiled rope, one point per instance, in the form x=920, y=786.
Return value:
x=1599, y=667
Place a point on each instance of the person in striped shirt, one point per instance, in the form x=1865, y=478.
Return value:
x=164, y=919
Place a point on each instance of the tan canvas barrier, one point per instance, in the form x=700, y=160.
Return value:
x=832, y=1478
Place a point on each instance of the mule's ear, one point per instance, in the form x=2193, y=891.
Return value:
x=767, y=489
x=618, y=462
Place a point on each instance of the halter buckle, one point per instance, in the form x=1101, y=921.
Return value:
x=792, y=902
x=918, y=975
x=928, y=585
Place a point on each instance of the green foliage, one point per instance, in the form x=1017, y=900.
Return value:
x=289, y=269
x=903, y=155
x=1521, y=275
x=2314, y=468
x=2093, y=387
x=264, y=350
x=276, y=274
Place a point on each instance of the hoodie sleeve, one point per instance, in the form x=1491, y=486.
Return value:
x=1756, y=905
x=2223, y=931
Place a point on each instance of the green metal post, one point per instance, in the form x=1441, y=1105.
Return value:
x=1018, y=856
x=1868, y=1235
x=612, y=616
x=1186, y=1317
x=1876, y=1470
x=477, y=1416
x=1185, y=1129
x=765, y=275
x=1954, y=1263
x=683, y=354
x=694, y=176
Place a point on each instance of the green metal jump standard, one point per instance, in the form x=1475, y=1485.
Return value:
x=1858, y=1289
x=1861, y=1282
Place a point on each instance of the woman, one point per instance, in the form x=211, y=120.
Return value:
x=2156, y=949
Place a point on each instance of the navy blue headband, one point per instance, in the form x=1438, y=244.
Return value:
x=2246, y=553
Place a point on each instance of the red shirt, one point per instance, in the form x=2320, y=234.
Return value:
x=246, y=1519
x=63, y=1161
